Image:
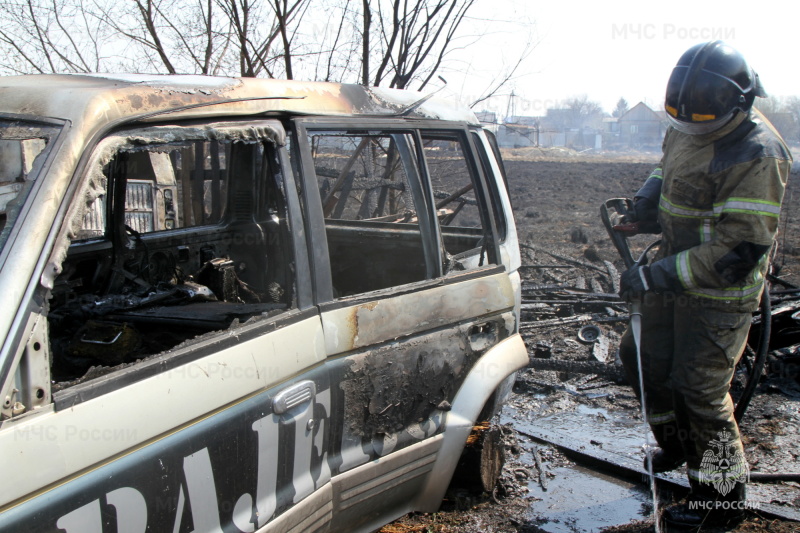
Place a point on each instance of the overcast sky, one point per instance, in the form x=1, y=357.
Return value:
x=608, y=50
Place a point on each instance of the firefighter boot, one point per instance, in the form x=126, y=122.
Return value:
x=706, y=506
x=669, y=455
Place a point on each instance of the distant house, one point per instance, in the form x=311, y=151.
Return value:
x=610, y=125
x=639, y=127
x=570, y=128
x=518, y=132
x=545, y=132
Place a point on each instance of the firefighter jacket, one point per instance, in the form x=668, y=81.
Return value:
x=719, y=197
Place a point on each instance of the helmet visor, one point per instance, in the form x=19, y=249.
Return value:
x=700, y=128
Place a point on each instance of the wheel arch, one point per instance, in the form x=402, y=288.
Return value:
x=481, y=385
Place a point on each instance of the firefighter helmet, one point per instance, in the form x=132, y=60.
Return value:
x=710, y=83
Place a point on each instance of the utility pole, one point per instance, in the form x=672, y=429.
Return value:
x=511, y=110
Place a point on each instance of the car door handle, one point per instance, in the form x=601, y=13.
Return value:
x=298, y=394
x=482, y=336
x=487, y=328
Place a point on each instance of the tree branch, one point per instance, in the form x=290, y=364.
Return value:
x=147, y=18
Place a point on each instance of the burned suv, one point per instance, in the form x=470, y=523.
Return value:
x=244, y=305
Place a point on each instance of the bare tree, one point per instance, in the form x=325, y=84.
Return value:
x=415, y=36
x=40, y=36
x=282, y=14
x=252, y=58
x=244, y=37
x=178, y=36
x=394, y=43
x=257, y=28
x=582, y=111
x=365, y=40
x=329, y=45
x=149, y=11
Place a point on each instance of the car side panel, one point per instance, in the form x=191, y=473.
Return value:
x=398, y=363
x=201, y=444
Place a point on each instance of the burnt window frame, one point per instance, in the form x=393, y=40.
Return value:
x=33, y=294
x=487, y=206
x=415, y=175
x=303, y=164
x=52, y=148
x=496, y=204
x=114, y=217
x=276, y=164
x=429, y=229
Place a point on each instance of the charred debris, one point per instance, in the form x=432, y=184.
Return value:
x=572, y=319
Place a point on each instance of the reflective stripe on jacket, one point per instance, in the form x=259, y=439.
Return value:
x=719, y=205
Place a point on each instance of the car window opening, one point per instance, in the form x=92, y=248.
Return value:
x=465, y=234
x=23, y=148
x=179, y=239
x=370, y=186
x=371, y=200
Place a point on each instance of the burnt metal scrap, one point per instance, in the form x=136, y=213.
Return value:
x=571, y=293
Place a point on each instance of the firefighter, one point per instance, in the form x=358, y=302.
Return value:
x=716, y=198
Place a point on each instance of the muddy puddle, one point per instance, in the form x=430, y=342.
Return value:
x=579, y=499
x=566, y=496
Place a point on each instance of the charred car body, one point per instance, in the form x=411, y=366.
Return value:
x=244, y=305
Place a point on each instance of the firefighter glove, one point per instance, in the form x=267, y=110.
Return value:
x=644, y=210
x=658, y=277
x=643, y=216
x=635, y=281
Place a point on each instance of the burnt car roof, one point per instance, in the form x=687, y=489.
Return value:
x=87, y=98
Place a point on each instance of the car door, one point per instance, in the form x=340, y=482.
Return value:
x=188, y=385
x=408, y=304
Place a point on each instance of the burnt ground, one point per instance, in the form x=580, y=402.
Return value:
x=572, y=399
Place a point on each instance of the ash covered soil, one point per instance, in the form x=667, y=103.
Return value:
x=569, y=270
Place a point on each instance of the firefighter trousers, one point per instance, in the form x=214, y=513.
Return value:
x=689, y=353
